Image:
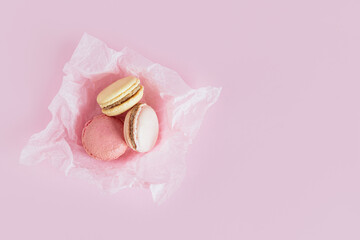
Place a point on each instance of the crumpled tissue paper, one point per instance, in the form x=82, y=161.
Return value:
x=180, y=110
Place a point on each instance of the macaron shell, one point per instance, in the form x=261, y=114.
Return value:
x=102, y=138
x=126, y=105
x=146, y=129
x=116, y=90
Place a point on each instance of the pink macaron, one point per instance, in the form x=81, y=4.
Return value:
x=102, y=138
x=141, y=128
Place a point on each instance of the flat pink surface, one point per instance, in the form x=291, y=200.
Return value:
x=277, y=156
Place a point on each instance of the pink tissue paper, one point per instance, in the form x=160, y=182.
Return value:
x=180, y=110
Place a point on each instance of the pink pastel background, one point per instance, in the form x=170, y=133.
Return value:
x=277, y=156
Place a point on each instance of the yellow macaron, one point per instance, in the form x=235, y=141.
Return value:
x=120, y=96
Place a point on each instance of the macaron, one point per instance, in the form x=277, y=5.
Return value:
x=103, y=139
x=141, y=128
x=120, y=96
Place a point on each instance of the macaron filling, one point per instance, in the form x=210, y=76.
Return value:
x=124, y=99
x=132, y=121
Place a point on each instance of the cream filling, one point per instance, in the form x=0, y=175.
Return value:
x=124, y=99
x=132, y=122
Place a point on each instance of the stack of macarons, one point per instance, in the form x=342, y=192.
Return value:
x=105, y=137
